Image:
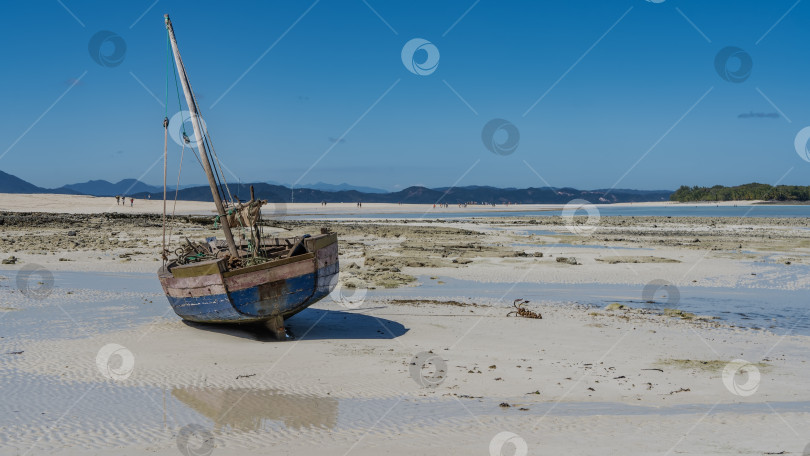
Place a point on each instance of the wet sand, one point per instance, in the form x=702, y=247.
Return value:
x=427, y=360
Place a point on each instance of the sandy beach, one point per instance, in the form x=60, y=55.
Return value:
x=646, y=343
x=82, y=204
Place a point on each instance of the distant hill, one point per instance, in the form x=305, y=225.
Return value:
x=13, y=184
x=747, y=192
x=104, y=188
x=343, y=187
x=330, y=187
x=347, y=193
x=423, y=195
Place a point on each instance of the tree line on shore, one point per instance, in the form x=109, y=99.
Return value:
x=753, y=191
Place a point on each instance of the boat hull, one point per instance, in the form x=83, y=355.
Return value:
x=205, y=293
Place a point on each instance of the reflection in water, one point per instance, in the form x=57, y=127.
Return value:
x=249, y=409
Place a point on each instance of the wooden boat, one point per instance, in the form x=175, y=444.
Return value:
x=208, y=292
x=258, y=280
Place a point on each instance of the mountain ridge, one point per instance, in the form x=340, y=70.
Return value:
x=105, y=188
x=424, y=195
x=347, y=193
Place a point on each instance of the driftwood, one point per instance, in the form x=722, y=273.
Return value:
x=520, y=311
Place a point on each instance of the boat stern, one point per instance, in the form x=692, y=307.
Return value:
x=325, y=247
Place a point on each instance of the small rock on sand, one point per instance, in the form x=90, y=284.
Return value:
x=567, y=260
x=616, y=306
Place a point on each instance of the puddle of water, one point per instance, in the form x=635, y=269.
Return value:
x=81, y=304
x=780, y=311
x=542, y=233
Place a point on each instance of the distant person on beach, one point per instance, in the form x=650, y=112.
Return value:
x=117, y=200
x=131, y=202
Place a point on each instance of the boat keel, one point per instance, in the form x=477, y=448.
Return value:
x=276, y=326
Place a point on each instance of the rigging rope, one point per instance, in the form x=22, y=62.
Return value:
x=184, y=138
x=218, y=172
x=179, y=104
x=165, y=146
x=205, y=144
x=206, y=141
x=170, y=63
x=216, y=158
x=176, y=191
x=165, y=165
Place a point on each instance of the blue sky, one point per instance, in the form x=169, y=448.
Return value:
x=628, y=92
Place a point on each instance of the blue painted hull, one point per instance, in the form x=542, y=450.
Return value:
x=245, y=306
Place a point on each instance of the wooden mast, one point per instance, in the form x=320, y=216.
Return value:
x=198, y=133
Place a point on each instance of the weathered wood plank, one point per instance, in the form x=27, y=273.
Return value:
x=265, y=275
x=327, y=256
x=320, y=241
x=193, y=282
x=268, y=265
x=196, y=292
x=199, y=269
